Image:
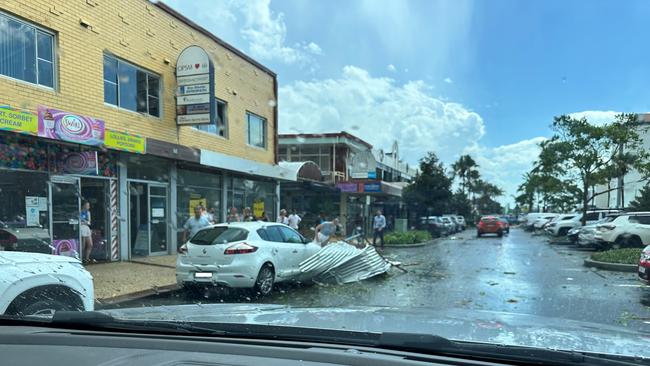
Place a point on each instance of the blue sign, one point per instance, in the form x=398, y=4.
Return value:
x=371, y=187
x=372, y=175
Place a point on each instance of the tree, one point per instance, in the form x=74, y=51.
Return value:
x=587, y=153
x=642, y=201
x=460, y=204
x=430, y=192
x=465, y=168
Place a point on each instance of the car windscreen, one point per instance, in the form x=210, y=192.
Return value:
x=219, y=235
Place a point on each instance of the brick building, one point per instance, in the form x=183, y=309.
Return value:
x=90, y=98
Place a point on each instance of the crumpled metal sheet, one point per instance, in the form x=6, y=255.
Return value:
x=343, y=263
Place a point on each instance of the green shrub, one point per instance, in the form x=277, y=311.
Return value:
x=623, y=256
x=408, y=237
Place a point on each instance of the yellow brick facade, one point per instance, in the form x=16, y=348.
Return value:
x=145, y=35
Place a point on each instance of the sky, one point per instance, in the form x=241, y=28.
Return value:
x=454, y=77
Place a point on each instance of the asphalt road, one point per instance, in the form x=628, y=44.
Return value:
x=518, y=273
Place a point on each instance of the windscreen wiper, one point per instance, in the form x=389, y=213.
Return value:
x=410, y=342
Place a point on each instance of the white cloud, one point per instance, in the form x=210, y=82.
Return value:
x=448, y=81
x=263, y=31
x=596, y=117
x=391, y=68
x=504, y=165
x=380, y=110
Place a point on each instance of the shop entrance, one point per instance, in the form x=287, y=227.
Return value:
x=148, y=218
x=64, y=220
x=96, y=192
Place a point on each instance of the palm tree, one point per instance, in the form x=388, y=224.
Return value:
x=465, y=169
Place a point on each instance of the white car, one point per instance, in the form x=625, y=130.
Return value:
x=461, y=221
x=539, y=223
x=561, y=226
x=40, y=284
x=586, y=233
x=631, y=229
x=243, y=255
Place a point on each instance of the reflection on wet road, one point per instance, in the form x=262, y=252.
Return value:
x=518, y=273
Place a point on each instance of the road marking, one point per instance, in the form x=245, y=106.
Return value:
x=630, y=285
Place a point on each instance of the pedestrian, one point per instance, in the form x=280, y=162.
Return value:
x=264, y=217
x=233, y=216
x=294, y=220
x=247, y=215
x=378, y=225
x=283, y=219
x=325, y=230
x=321, y=218
x=86, y=233
x=195, y=223
x=212, y=215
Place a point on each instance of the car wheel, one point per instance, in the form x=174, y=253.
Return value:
x=634, y=242
x=500, y=233
x=46, y=308
x=478, y=234
x=617, y=244
x=563, y=231
x=265, y=280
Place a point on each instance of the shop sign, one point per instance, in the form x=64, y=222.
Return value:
x=84, y=163
x=347, y=187
x=193, y=79
x=193, y=67
x=66, y=247
x=258, y=208
x=17, y=121
x=372, y=175
x=194, y=89
x=60, y=125
x=196, y=202
x=124, y=142
x=359, y=175
x=372, y=187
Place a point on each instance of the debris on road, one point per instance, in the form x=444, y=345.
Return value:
x=343, y=263
x=509, y=273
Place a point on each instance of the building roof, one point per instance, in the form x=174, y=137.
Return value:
x=342, y=134
x=166, y=8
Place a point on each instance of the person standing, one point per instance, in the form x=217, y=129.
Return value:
x=212, y=215
x=378, y=226
x=264, y=217
x=86, y=233
x=283, y=219
x=233, y=216
x=247, y=215
x=195, y=223
x=294, y=220
x=325, y=230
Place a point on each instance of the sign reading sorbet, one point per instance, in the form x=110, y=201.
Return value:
x=60, y=125
x=195, y=79
x=17, y=121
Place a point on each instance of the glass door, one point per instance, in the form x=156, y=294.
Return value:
x=64, y=211
x=158, y=219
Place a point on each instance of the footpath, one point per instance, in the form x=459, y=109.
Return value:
x=120, y=281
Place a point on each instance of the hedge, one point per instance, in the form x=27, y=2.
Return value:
x=623, y=256
x=408, y=237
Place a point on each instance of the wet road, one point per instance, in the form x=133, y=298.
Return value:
x=519, y=273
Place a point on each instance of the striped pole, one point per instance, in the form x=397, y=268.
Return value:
x=114, y=241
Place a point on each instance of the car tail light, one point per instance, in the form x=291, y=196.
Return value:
x=182, y=249
x=240, y=248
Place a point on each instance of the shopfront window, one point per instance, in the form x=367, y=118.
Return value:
x=148, y=168
x=26, y=52
x=198, y=188
x=259, y=196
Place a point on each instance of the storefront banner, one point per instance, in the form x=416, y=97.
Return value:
x=372, y=187
x=84, y=163
x=196, y=202
x=258, y=208
x=66, y=247
x=16, y=121
x=347, y=187
x=124, y=142
x=66, y=126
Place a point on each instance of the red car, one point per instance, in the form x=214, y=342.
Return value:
x=490, y=225
x=644, y=265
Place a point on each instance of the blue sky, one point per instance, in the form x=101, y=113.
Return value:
x=478, y=77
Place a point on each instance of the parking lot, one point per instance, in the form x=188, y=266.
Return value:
x=519, y=273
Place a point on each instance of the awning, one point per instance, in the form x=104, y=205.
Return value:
x=303, y=170
x=241, y=165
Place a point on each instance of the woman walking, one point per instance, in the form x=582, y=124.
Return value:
x=86, y=233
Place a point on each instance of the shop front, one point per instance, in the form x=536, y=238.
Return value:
x=361, y=199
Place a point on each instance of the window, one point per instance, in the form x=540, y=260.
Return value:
x=644, y=220
x=220, y=127
x=256, y=130
x=274, y=234
x=262, y=233
x=130, y=87
x=26, y=52
x=219, y=235
x=593, y=216
x=290, y=235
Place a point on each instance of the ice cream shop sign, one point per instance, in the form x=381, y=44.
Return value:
x=59, y=125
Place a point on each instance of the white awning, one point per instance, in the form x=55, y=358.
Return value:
x=241, y=165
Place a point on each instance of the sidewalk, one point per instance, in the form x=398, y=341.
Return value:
x=118, y=281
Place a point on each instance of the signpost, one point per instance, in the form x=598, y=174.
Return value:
x=195, y=100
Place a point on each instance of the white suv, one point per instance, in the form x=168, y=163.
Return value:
x=630, y=229
x=562, y=226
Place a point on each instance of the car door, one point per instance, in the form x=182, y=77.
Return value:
x=297, y=249
x=641, y=228
x=281, y=251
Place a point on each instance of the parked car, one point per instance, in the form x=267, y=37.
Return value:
x=644, y=265
x=628, y=230
x=489, y=225
x=574, y=234
x=434, y=225
x=551, y=226
x=505, y=225
x=41, y=284
x=586, y=233
x=539, y=223
x=25, y=239
x=562, y=226
x=462, y=222
x=252, y=255
x=449, y=225
x=530, y=218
